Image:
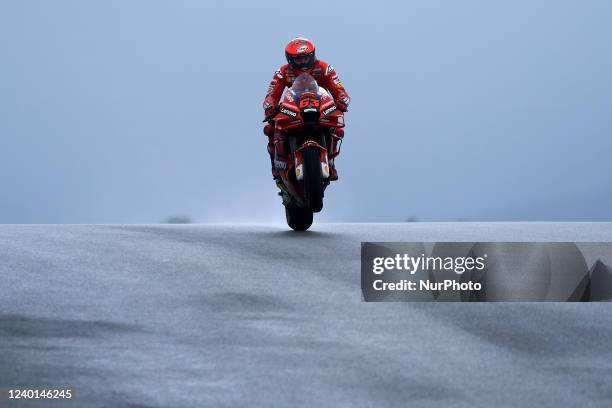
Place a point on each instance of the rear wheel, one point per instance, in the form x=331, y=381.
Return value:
x=298, y=218
x=313, y=178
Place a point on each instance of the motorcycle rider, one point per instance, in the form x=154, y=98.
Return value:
x=300, y=54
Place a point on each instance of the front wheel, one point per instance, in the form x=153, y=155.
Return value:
x=313, y=178
x=298, y=218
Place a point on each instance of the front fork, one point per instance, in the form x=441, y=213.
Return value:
x=299, y=160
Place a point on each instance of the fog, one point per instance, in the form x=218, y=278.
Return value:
x=133, y=112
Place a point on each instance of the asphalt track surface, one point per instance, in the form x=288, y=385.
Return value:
x=258, y=316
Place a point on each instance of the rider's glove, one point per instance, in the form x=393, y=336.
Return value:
x=269, y=111
x=342, y=104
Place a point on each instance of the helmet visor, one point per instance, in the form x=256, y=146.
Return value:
x=301, y=62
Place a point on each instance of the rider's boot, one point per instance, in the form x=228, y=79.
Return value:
x=279, y=163
x=269, y=131
x=333, y=173
x=332, y=153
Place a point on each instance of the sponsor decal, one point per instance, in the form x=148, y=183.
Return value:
x=329, y=110
x=325, y=170
x=303, y=48
x=295, y=122
x=289, y=112
x=279, y=74
x=329, y=70
x=280, y=164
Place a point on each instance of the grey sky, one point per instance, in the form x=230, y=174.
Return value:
x=132, y=111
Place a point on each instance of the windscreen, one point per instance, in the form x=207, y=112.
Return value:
x=304, y=83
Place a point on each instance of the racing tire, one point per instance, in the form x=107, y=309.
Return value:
x=313, y=179
x=298, y=218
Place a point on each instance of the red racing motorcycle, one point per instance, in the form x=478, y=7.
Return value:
x=306, y=120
